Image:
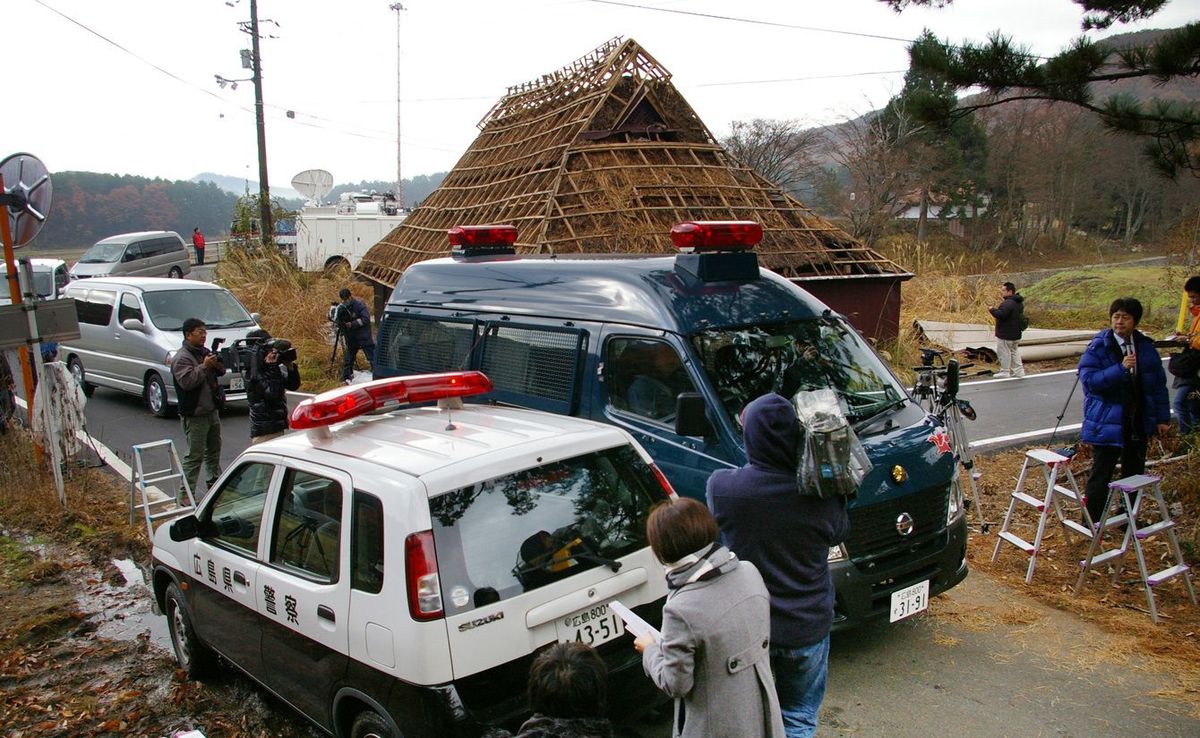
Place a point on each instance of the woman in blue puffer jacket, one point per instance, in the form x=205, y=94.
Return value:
x=1125, y=399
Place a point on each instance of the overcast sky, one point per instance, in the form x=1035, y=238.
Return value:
x=127, y=86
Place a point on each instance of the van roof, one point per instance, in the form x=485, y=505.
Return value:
x=136, y=236
x=645, y=291
x=43, y=264
x=144, y=284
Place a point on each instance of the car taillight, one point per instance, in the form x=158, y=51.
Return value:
x=663, y=482
x=420, y=566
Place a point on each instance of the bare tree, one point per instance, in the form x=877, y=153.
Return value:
x=782, y=151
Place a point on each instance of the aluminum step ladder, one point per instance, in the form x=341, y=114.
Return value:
x=1054, y=468
x=1135, y=490
x=146, y=493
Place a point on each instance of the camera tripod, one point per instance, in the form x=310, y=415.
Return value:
x=936, y=389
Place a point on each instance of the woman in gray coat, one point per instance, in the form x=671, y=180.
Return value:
x=713, y=653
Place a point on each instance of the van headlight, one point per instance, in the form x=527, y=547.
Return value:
x=837, y=553
x=956, y=502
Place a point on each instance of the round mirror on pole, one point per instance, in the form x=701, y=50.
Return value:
x=27, y=192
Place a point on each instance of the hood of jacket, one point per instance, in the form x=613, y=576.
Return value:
x=772, y=433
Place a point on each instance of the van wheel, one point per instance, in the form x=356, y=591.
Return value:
x=370, y=725
x=191, y=654
x=156, y=397
x=75, y=366
x=175, y=273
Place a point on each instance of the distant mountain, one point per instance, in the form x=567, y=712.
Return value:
x=239, y=185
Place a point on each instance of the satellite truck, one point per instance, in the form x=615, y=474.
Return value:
x=329, y=236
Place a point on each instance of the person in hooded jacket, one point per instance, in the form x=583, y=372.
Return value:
x=766, y=521
x=1008, y=331
x=712, y=656
x=1125, y=400
x=266, y=390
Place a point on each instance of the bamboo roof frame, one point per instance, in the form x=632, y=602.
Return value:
x=604, y=156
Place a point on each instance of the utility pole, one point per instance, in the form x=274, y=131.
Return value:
x=399, y=178
x=264, y=189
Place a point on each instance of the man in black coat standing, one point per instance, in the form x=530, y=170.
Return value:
x=1008, y=316
x=272, y=375
x=355, y=323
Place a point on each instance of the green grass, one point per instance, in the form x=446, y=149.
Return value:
x=1079, y=298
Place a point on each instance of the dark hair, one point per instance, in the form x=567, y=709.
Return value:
x=344, y=293
x=569, y=680
x=258, y=335
x=1192, y=285
x=1010, y=287
x=192, y=324
x=1129, y=305
x=679, y=527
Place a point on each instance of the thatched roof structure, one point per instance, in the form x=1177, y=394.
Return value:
x=602, y=156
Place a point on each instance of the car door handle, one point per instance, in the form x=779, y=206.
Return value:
x=240, y=578
x=326, y=613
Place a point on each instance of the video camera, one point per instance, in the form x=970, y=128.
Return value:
x=339, y=313
x=240, y=355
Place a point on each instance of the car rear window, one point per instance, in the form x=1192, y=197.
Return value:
x=512, y=534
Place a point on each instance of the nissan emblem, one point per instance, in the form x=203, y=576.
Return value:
x=904, y=524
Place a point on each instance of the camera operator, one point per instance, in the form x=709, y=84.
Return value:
x=195, y=370
x=354, y=322
x=273, y=372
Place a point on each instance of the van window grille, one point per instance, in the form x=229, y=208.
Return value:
x=533, y=363
x=409, y=345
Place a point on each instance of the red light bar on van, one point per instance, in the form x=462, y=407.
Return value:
x=486, y=236
x=716, y=235
x=345, y=403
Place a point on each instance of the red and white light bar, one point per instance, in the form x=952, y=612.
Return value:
x=345, y=403
x=482, y=236
x=716, y=235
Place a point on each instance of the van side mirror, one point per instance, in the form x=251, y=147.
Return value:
x=690, y=416
x=133, y=324
x=184, y=529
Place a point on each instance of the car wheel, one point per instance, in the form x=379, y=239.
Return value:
x=75, y=366
x=175, y=273
x=370, y=725
x=195, y=658
x=156, y=397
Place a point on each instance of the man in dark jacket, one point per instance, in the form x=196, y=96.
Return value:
x=1125, y=400
x=355, y=324
x=1008, y=316
x=196, y=370
x=765, y=520
x=266, y=391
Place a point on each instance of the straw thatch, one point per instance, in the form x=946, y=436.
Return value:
x=602, y=156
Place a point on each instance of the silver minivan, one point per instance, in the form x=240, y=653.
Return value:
x=142, y=254
x=130, y=329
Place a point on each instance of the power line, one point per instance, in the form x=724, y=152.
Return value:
x=800, y=79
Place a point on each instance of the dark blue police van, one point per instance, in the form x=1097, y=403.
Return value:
x=671, y=350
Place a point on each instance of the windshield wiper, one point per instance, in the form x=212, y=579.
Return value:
x=887, y=409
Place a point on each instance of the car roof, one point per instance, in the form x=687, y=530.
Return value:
x=645, y=291
x=145, y=284
x=421, y=440
x=50, y=264
x=136, y=236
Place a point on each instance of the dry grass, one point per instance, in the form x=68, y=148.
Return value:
x=1117, y=607
x=294, y=304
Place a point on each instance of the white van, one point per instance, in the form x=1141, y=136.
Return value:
x=141, y=254
x=130, y=329
x=50, y=277
x=393, y=570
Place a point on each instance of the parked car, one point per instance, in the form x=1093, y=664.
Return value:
x=50, y=277
x=130, y=329
x=142, y=254
x=393, y=569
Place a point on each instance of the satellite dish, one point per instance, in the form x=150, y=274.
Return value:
x=313, y=183
x=25, y=177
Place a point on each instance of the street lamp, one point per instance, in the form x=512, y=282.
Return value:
x=399, y=178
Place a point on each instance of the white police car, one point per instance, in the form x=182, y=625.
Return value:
x=392, y=570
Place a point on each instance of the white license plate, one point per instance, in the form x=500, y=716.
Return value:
x=236, y=384
x=910, y=600
x=593, y=626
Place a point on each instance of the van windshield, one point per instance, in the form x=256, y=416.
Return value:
x=786, y=358
x=103, y=253
x=515, y=533
x=217, y=308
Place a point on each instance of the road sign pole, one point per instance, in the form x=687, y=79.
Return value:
x=14, y=291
